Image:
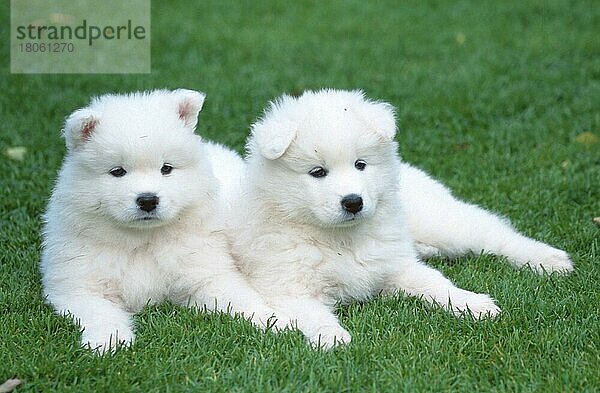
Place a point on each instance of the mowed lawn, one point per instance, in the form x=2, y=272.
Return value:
x=499, y=99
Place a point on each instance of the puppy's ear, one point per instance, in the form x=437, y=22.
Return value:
x=273, y=134
x=189, y=104
x=381, y=118
x=79, y=127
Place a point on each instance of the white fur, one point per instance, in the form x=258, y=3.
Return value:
x=104, y=258
x=445, y=226
x=304, y=252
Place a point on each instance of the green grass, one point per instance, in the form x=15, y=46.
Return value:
x=495, y=117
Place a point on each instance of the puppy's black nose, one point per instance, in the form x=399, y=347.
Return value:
x=352, y=203
x=147, y=201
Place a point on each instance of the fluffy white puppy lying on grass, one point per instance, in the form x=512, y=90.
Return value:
x=134, y=217
x=329, y=214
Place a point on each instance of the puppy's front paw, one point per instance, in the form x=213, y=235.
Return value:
x=268, y=319
x=477, y=304
x=106, y=340
x=328, y=337
x=553, y=260
x=274, y=322
x=280, y=321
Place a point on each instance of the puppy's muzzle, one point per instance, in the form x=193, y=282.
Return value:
x=147, y=202
x=352, y=203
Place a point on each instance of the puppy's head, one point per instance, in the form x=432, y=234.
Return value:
x=326, y=158
x=134, y=160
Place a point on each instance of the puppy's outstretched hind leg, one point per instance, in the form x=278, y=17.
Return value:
x=442, y=225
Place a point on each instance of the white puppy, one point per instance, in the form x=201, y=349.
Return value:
x=134, y=217
x=330, y=214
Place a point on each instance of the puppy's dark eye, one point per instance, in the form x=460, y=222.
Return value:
x=166, y=169
x=118, y=171
x=360, y=165
x=318, y=172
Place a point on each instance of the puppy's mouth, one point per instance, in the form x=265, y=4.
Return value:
x=348, y=220
x=148, y=220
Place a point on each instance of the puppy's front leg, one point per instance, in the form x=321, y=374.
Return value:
x=105, y=324
x=232, y=294
x=316, y=320
x=219, y=286
x=417, y=279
